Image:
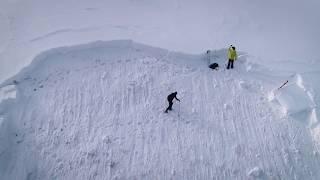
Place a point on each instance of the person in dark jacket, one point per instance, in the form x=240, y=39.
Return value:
x=170, y=99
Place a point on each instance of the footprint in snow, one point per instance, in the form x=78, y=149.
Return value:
x=227, y=106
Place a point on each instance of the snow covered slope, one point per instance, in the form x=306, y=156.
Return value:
x=95, y=111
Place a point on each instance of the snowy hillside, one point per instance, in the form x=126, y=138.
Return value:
x=95, y=111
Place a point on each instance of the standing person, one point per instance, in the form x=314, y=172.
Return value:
x=170, y=99
x=232, y=55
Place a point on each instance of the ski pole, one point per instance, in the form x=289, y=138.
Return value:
x=283, y=84
x=179, y=111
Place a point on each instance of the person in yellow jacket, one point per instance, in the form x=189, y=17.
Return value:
x=232, y=56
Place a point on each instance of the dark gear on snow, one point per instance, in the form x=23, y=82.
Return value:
x=214, y=66
x=170, y=99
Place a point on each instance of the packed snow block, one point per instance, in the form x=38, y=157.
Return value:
x=7, y=92
x=256, y=172
x=294, y=101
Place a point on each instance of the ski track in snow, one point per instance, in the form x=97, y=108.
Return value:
x=62, y=31
x=102, y=118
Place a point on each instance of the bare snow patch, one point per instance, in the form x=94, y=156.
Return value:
x=227, y=106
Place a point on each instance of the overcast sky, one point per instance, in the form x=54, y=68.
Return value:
x=273, y=29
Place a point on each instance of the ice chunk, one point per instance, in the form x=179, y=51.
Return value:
x=7, y=92
x=255, y=172
x=299, y=81
x=293, y=99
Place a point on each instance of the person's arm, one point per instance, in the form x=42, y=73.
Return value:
x=229, y=53
x=177, y=98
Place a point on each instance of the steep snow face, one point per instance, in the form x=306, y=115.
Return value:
x=95, y=111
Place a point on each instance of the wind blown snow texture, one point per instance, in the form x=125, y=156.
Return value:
x=95, y=111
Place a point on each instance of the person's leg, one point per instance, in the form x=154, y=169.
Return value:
x=169, y=107
x=228, y=64
x=232, y=64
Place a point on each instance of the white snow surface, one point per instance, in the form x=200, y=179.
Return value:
x=273, y=29
x=95, y=111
